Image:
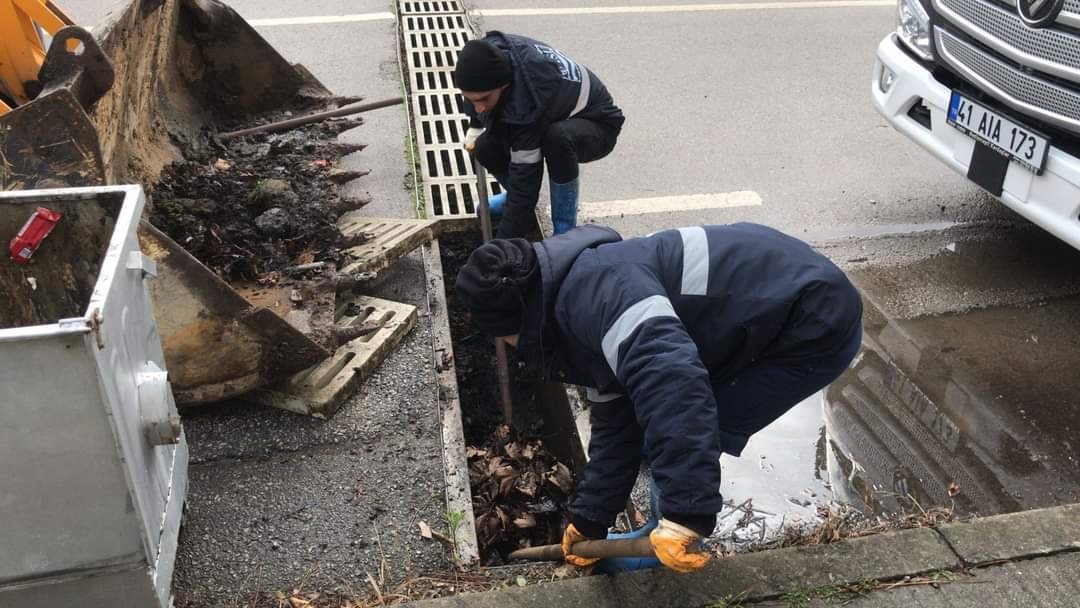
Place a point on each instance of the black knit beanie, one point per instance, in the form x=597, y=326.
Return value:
x=481, y=66
x=493, y=283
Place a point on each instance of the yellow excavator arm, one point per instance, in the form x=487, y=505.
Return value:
x=24, y=24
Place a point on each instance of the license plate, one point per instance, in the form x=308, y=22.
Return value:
x=1020, y=144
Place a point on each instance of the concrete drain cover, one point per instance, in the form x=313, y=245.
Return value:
x=320, y=390
x=387, y=240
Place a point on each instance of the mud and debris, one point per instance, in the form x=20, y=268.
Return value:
x=259, y=204
x=519, y=493
x=520, y=489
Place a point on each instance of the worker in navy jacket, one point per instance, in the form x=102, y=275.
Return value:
x=689, y=341
x=529, y=103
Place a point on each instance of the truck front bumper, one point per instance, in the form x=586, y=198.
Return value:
x=1051, y=200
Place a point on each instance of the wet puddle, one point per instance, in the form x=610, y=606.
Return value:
x=977, y=412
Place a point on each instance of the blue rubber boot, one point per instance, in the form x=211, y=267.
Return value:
x=613, y=565
x=496, y=202
x=564, y=200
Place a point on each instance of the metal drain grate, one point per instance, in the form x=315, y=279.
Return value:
x=432, y=42
x=446, y=161
x=443, y=59
x=428, y=81
x=436, y=24
x=441, y=131
x=425, y=7
x=388, y=240
x=454, y=197
x=452, y=40
x=447, y=104
x=320, y=390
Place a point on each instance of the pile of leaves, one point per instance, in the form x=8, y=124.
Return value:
x=259, y=203
x=520, y=493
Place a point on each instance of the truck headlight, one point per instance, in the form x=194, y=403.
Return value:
x=913, y=27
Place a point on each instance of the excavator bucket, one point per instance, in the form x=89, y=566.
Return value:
x=109, y=109
x=50, y=141
x=216, y=343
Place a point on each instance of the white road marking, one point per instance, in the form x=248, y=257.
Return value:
x=670, y=204
x=683, y=8
x=359, y=17
x=594, y=10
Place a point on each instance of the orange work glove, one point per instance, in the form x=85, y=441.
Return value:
x=569, y=537
x=672, y=543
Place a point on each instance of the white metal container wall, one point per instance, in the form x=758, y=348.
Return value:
x=88, y=505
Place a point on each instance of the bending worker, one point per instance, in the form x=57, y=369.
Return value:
x=689, y=341
x=528, y=102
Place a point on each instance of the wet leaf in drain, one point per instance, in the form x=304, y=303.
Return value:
x=544, y=506
x=560, y=477
x=504, y=520
x=528, y=484
x=529, y=451
x=513, y=450
x=505, y=484
x=525, y=520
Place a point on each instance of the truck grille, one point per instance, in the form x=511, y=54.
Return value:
x=1020, y=89
x=1052, y=51
x=1070, y=15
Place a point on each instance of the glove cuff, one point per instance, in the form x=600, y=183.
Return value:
x=703, y=525
x=589, y=529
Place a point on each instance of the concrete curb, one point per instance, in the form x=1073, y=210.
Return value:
x=458, y=490
x=1015, y=536
x=753, y=576
x=769, y=575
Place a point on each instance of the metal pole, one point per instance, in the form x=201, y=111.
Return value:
x=501, y=362
x=310, y=118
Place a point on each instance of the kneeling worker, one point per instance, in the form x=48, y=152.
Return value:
x=689, y=341
x=527, y=103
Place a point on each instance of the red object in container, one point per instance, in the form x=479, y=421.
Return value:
x=32, y=233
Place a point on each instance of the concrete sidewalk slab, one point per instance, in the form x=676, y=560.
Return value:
x=1048, y=582
x=1016, y=535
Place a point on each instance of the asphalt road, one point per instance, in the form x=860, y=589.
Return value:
x=774, y=102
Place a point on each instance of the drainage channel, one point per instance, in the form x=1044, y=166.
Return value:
x=507, y=484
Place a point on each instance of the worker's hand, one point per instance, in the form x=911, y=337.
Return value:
x=571, y=536
x=471, y=136
x=672, y=543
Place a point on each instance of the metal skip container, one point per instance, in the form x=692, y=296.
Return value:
x=93, y=461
